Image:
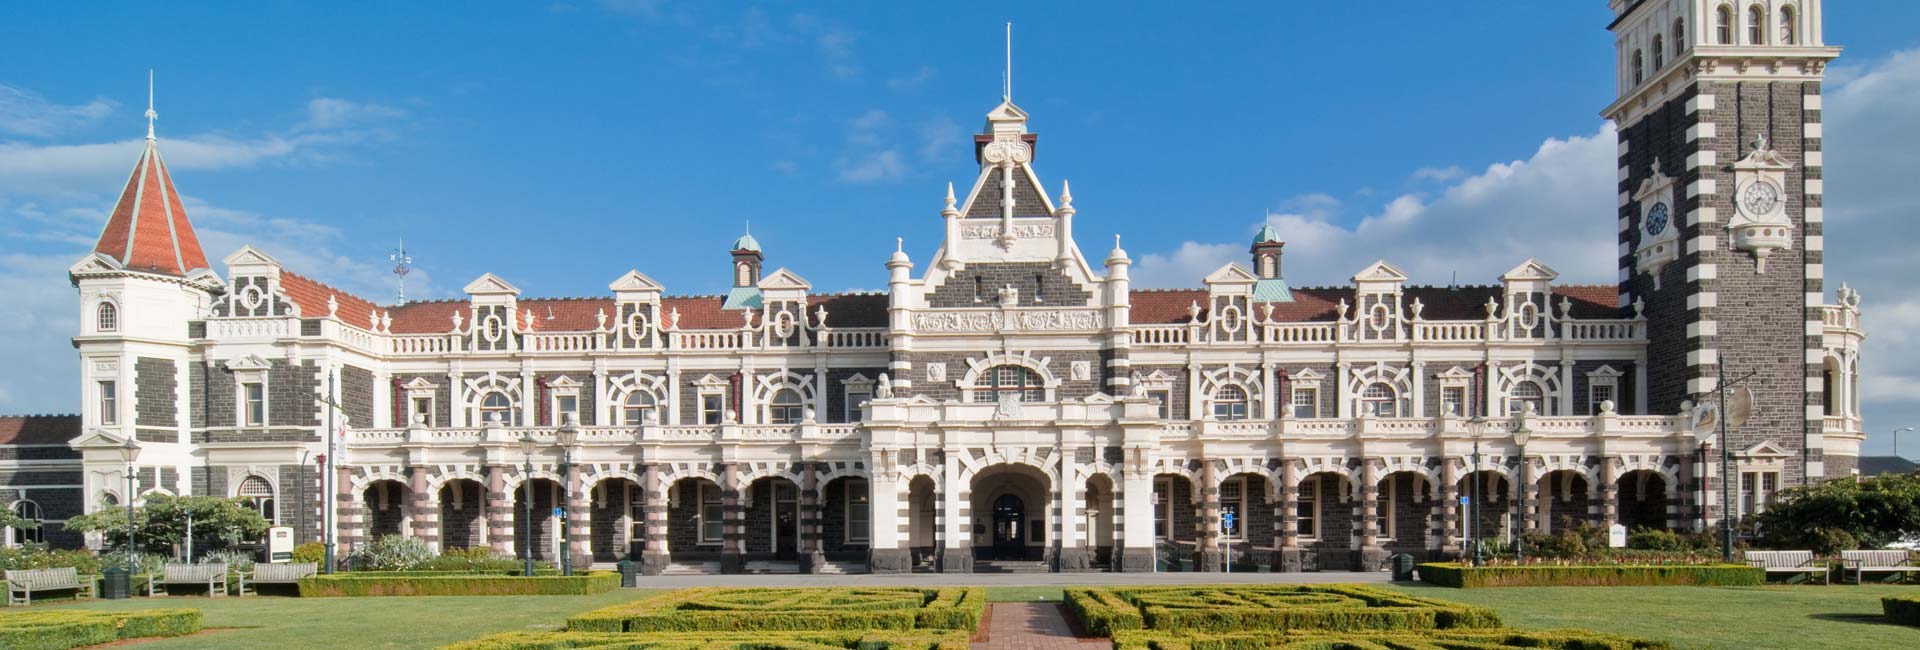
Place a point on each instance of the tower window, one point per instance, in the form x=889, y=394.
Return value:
x=1639, y=68
x=1723, y=25
x=109, y=403
x=1786, y=25
x=1679, y=35
x=107, y=318
x=253, y=404
x=1659, y=52
x=1756, y=25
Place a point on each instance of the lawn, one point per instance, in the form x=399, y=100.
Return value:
x=412, y=623
x=1696, y=618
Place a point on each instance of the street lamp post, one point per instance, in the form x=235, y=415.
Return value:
x=1473, y=508
x=130, y=451
x=566, y=436
x=1520, y=436
x=526, y=500
x=1896, y=440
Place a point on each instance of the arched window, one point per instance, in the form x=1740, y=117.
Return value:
x=1679, y=36
x=1723, y=25
x=107, y=318
x=1230, y=403
x=30, y=512
x=1018, y=381
x=1524, y=393
x=257, y=494
x=786, y=407
x=1379, y=399
x=633, y=411
x=1787, y=25
x=1830, y=386
x=1659, y=52
x=1639, y=68
x=1756, y=25
x=496, y=407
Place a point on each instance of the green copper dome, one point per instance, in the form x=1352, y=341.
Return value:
x=746, y=243
x=1267, y=234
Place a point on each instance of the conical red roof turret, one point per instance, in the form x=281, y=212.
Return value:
x=148, y=230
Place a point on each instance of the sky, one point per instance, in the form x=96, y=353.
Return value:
x=560, y=144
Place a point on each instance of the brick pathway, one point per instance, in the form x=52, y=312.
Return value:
x=1033, y=626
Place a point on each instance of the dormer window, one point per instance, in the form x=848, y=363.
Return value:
x=106, y=318
x=1756, y=25
x=1786, y=25
x=1723, y=25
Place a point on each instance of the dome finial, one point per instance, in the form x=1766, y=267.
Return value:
x=151, y=115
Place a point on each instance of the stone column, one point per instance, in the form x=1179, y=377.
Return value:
x=1208, y=553
x=499, y=512
x=348, y=517
x=957, y=556
x=1070, y=553
x=1373, y=556
x=1449, y=532
x=1289, y=519
x=653, y=495
x=579, y=525
x=1609, y=505
x=422, y=509
x=1529, y=496
x=734, y=528
x=811, y=557
x=886, y=553
x=1136, y=523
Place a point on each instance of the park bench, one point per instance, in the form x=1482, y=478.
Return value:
x=1790, y=562
x=214, y=576
x=1864, y=562
x=22, y=583
x=277, y=574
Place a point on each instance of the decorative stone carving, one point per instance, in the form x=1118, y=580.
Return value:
x=1048, y=320
x=1008, y=408
x=1760, y=224
x=1080, y=370
x=936, y=372
x=1004, y=151
x=883, y=389
x=1659, y=230
x=1020, y=231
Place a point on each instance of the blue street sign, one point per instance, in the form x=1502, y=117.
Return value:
x=559, y=512
x=1465, y=499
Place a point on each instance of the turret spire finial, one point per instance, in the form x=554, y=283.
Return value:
x=151, y=115
x=1006, y=92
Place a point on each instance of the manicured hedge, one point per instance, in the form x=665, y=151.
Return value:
x=355, y=584
x=1363, y=640
x=1449, y=574
x=59, y=629
x=830, y=640
x=868, y=608
x=1267, y=608
x=1904, y=610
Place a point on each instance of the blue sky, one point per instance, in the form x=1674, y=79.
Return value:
x=560, y=144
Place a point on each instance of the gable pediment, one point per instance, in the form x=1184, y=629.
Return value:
x=420, y=384
x=490, y=284
x=784, y=279
x=711, y=381
x=1380, y=271
x=1765, y=449
x=1232, y=273
x=1455, y=372
x=1654, y=182
x=250, y=256
x=94, y=263
x=248, y=363
x=1530, y=270
x=98, y=439
x=635, y=281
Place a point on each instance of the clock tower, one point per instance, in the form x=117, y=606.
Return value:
x=1718, y=117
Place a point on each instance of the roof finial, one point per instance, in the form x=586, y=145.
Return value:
x=151, y=116
x=402, y=265
x=1006, y=93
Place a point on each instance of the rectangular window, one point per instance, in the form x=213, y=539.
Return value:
x=712, y=515
x=1453, y=400
x=1597, y=394
x=859, y=511
x=109, y=404
x=422, y=411
x=1306, y=402
x=253, y=396
x=1308, y=510
x=854, y=399
x=1233, y=498
x=1163, y=508
x=1384, y=510
x=1165, y=400
x=566, y=408
x=1756, y=491
x=712, y=408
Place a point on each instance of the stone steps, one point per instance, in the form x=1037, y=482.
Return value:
x=691, y=569
x=1006, y=566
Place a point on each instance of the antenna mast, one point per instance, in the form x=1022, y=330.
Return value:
x=402, y=265
x=1006, y=91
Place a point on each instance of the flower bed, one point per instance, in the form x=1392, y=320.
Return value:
x=437, y=584
x=852, y=640
x=1277, y=608
x=870, y=608
x=1904, y=610
x=1363, y=640
x=59, y=629
x=1451, y=574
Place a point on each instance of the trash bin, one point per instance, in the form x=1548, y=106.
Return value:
x=629, y=573
x=118, y=584
x=1403, y=568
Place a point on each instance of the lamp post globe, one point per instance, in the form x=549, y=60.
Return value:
x=1896, y=440
x=130, y=452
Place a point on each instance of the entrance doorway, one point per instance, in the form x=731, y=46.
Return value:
x=786, y=521
x=1009, y=516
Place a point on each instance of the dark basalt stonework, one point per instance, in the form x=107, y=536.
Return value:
x=890, y=560
x=956, y=560
x=1073, y=560
x=1136, y=560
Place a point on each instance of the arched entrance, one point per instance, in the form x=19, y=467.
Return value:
x=386, y=510
x=1010, y=513
x=1099, y=509
x=922, y=511
x=536, y=518
x=1643, y=500
x=616, y=520
x=1565, y=501
x=773, y=519
x=462, y=514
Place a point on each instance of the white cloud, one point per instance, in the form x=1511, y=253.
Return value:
x=334, y=113
x=878, y=166
x=938, y=137
x=26, y=113
x=1438, y=174
x=916, y=79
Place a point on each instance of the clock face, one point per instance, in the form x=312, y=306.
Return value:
x=1657, y=218
x=1759, y=197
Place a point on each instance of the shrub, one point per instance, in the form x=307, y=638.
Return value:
x=867, y=608
x=453, y=584
x=59, y=629
x=1450, y=574
x=391, y=553
x=1873, y=512
x=36, y=556
x=310, y=553
x=1653, y=539
x=478, y=560
x=1274, y=608
x=1904, y=610
x=851, y=640
x=145, y=563
x=237, y=561
x=1357, y=640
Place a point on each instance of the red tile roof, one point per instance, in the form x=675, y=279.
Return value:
x=311, y=295
x=148, y=229
x=38, y=429
x=428, y=316
x=851, y=309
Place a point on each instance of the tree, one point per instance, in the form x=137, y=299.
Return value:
x=161, y=523
x=8, y=519
x=1842, y=515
